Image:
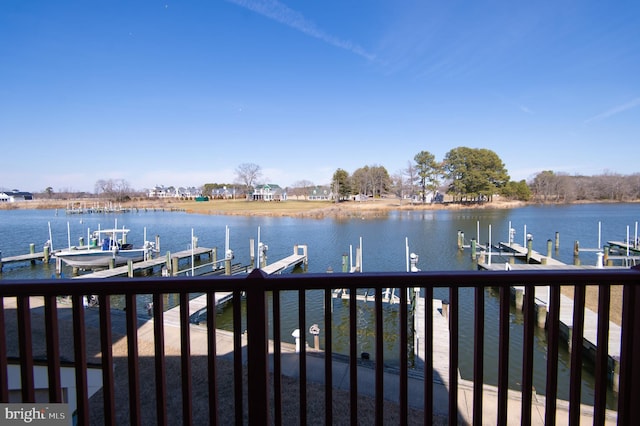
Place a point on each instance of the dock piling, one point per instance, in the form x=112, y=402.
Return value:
x=518, y=294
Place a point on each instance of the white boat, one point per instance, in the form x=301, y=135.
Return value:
x=106, y=247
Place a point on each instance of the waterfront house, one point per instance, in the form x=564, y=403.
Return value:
x=15, y=195
x=162, y=192
x=320, y=193
x=172, y=192
x=268, y=192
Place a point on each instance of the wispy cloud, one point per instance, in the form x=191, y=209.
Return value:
x=279, y=12
x=615, y=110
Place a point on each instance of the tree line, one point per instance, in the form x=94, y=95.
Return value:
x=464, y=174
x=551, y=187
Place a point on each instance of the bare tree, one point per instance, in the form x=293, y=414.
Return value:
x=301, y=188
x=247, y=174
x=411, y=173
x=114, y=189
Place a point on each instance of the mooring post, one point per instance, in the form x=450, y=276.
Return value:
x=174, y=266
x=167, y=263
x=252, y=254
x=542, y=316
x=557, y=240
x=549, y=242
x=518, y=297
x=473, y=248
x=32, y=250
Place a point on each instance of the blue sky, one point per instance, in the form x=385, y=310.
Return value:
x=181, y=93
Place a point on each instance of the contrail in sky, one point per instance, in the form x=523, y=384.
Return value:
x=616, y=110
x=279, y=12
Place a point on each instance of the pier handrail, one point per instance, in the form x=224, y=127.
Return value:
x=257, y=285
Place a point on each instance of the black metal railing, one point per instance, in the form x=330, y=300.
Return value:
x=261, y=401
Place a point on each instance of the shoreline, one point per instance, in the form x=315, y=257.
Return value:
x=289, y=208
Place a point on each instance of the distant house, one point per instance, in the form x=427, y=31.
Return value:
x=223, y=193
x=431, y=197
x=172, y=192
x=320, y=193
x=189, y=192
x=268, y=192
x=15, y=195
x=161, y=192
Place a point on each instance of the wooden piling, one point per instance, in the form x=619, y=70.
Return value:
x=607, y=261
x=252, y=254
x=557, y=240
x=542, y=316
x=174, y=266
x=518, y=295
x=549, y=242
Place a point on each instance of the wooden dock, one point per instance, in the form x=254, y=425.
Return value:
x=520, y=251
x=172, y=316
x=623, y=246
x=440, y=337
x=298, y=257
x=566, y=309
x=32, y=256
x=129, y=270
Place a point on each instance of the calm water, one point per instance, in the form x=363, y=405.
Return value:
x=431, y=234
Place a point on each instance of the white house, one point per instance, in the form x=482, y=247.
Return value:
x=268, y=192
x=15, y=195
x=322, y=193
